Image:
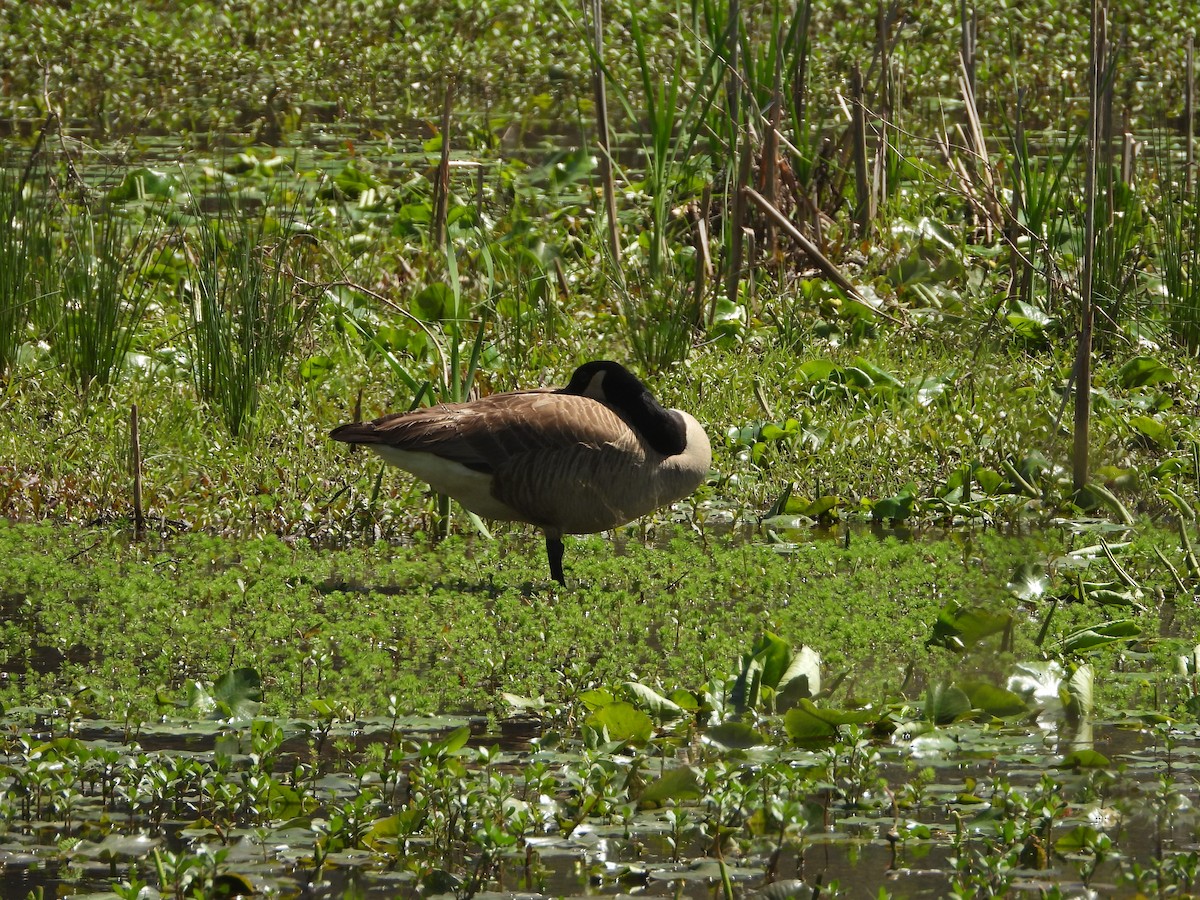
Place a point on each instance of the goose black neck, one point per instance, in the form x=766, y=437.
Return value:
x=611, y=383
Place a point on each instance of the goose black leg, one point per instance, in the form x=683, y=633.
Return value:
x=554, y=553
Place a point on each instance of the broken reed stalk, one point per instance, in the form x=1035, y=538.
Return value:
x=442, y=206
x=1083, y=358
x=602, y=136
x=862, y=182
x=135, y=463
x=828, y=269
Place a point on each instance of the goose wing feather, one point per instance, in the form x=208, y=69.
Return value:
x=503, y=432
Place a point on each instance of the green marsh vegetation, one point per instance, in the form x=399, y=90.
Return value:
x=900, y=623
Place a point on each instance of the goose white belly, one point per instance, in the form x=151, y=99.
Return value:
x=470, y=487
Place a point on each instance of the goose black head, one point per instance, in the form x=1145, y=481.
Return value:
x=611, y=383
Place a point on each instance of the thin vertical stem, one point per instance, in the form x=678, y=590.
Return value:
x=602, y=137
x=862, y=182
x=737, y=214
x=135, y=463
x=1083, y=359
x=1189, y=113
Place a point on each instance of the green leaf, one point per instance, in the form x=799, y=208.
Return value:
x=238, y=693
x=1142, y=371
x=142, y=183
x=1153, y=430
x=1096, y=636
x=675, y=784
x=993, y=700
x=1080, y=839
x=453, y=742
x=652, y=701
x=804, y=722
x=957, y=628
x=435, y=303
x=1085, y=759
x=802, y=679
x=622, y=722
x=734, y=735
x=944, y=703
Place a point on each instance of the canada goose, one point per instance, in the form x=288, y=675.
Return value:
x=585, y=458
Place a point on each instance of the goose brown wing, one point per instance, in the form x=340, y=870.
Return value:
x=490, y=434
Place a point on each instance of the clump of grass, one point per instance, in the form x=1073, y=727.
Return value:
x=1179, y=263
x=246, y=309
x=25, y=255
x=104, y=297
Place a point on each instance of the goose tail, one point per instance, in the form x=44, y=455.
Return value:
x=358, y=433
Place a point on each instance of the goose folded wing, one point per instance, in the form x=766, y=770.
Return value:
x=491, y=434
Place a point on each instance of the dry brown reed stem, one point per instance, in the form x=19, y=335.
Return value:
x=827, y=268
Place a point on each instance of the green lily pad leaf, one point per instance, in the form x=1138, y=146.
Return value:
x=858, y=378
x=652, y=701
x=518, y=702
x=1142, y=371
x=1096, y=636
x=597, y=697
x=819, y=369
x=1080, y=839
x=676, y=784
x=805, y=722
x=1085, y=759
x=879, y=377
x=622, y=722
x=316, y=368
x=944, y=703
x=144, y=183
x=897, y=508
x=822, y=506
x=238, y=693
x=685, y=700
x=435, y=303
x=352, y=181
x=994, y=700
x=801, y=680
x=1153, y=430
x=957, y=627
x=734, y=735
